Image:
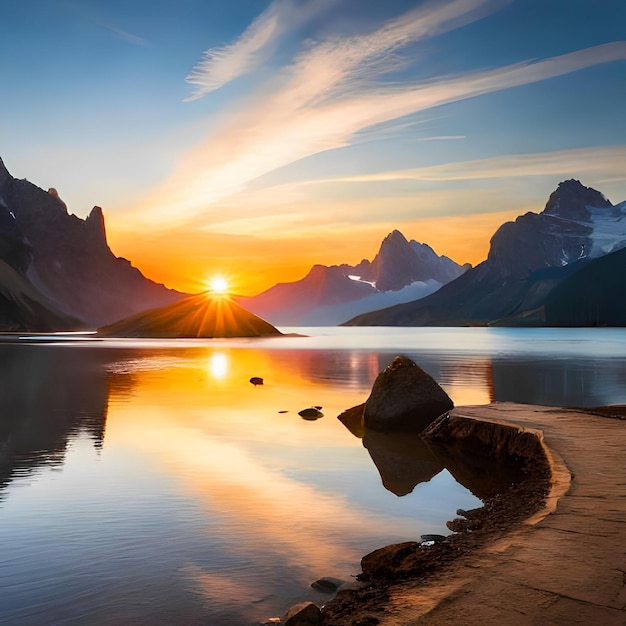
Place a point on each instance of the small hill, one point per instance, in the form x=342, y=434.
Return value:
x=199, y=316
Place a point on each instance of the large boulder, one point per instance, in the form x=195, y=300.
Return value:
x=404, y=398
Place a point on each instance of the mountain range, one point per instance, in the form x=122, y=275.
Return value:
x=558, y=267
x=57, y=271
x=401, y=271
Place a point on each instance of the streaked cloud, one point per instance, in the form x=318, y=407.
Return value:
x=226, y=63
x=322, y=101
x=223, y=64
x=606, y=160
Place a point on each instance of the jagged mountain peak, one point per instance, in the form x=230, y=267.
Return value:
x=66, y=261
x=394, y=237
x=571, y=199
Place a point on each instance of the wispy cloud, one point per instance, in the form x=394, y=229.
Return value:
x=606, y=160
x=326, y=96
x=131, y=38
x=226, y=63
x=223, y=64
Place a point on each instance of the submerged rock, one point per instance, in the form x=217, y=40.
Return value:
x=256, y=380
x=404, y=398
x=433, y=538
x=327, y=585
x=310, y=413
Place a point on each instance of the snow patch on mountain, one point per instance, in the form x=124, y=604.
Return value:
x=609, y=229
x=358, y=279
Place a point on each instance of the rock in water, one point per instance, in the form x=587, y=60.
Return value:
x=304, y=614
x=256, y=380
x=404, y=398
x=310, y=414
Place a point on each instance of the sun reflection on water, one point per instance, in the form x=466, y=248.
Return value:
x=218, y=365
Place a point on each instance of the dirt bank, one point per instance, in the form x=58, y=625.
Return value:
x=546, y=552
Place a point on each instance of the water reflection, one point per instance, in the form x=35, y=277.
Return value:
x=403, y=461
x=47, y=395
x=584, y=381
x=182, y=492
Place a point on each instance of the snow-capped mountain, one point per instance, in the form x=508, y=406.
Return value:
x=577, y=223
x=401, y=271
x=527, y=259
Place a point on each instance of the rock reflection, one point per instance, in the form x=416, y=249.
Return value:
x=403, y=461
x=47, y=395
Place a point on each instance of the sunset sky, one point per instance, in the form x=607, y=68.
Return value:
x=255, y=138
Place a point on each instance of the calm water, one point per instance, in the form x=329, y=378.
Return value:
x=149, y=482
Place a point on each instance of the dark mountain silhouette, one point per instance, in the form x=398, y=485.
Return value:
x=401, y=271
x=24, y=308
x=195, y=316
x=527, y=259
x=67, y=261
x=593, y=296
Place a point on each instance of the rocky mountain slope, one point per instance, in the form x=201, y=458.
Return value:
x=527, y=259
x=66, y=260
x=401, y=271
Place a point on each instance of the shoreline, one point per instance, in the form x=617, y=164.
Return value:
x=458, y=577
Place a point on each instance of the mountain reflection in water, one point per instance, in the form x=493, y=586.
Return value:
x=151, y=482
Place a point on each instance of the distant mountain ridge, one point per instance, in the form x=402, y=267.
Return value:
x=65, y=263
x=327, y=295
x=528, y=258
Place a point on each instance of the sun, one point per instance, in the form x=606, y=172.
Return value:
x=218, y=284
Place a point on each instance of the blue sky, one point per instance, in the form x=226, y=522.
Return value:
x=294, y=131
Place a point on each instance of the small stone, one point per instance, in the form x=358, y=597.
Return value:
x=310, y=414
x=303, y=614
x=384, y=562
x=283, y=411
x=471, y=513
x=256, y=380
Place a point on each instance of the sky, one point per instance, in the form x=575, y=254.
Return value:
x=254, y=138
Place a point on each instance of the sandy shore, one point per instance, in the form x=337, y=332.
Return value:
x=565, y=564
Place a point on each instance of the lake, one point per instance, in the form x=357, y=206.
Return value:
x=149, y=482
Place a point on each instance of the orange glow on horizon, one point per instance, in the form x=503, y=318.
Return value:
x=180, y=257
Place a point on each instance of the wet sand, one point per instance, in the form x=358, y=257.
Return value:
x=566, y=564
